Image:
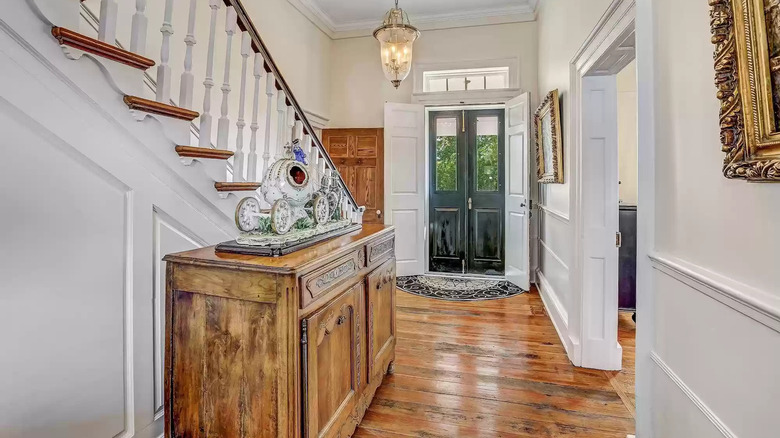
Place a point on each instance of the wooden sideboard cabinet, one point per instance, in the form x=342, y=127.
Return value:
x=283, y=347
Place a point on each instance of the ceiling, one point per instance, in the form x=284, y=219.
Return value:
x=350, y=18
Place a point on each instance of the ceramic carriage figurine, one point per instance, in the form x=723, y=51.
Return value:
x=291, y=189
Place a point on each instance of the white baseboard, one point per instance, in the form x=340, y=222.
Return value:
x=727, y=433
x=556, y=311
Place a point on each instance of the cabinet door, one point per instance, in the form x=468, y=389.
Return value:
x=331, y=360
x=381, y=319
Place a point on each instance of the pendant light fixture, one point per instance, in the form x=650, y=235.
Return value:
x=396, y=37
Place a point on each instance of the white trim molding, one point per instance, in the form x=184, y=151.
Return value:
x=361, y=28
x=758, y=305
x=592, y=308
x=554, y=213
x=727, y=433
x=557, y=312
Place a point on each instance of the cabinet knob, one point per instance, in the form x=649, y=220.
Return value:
x=341, y=320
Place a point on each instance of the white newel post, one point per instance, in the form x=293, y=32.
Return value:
x=238, y=158
x=251, y=172
x=281, y=109
x=164, y=69
x=270, y=88
x=223, y=126
x=208, y=82
x=187, y=78
x=108, y=20
x=138, y=29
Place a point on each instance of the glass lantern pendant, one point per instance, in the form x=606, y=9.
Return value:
x=396, y=37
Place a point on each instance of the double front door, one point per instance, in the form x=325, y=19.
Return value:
x=466, y=192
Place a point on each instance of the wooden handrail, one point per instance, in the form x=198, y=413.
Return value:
x=246, y=25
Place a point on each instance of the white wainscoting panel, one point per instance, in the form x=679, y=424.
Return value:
x=721, y=359
x=65, y=307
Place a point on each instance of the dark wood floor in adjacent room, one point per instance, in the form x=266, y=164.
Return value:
x=495, y=369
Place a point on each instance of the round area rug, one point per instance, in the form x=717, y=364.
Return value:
x=456, y=288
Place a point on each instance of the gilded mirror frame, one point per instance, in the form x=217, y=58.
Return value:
x=747, y=78
x=549, y=105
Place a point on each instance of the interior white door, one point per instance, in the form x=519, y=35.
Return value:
x=599, y=187
x=517, y=264
x=405, y=184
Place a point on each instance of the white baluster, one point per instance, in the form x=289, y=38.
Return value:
x=238, y=157
x=252, y=162
x=281, y=109
x=208, y=83
x=138, y=29
x=164, y=69
x=288, y=128
x=108, y=20
x=321, y=165
x=187, y=78
x=270, y=89
x=298, y=132
x=307, y=147
x=223, y=126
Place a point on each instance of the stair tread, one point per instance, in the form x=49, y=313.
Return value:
x=80, y=41
x=201, y=152
x=154, y=107
x=236, y=186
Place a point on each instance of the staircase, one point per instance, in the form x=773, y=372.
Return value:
x=252, y=89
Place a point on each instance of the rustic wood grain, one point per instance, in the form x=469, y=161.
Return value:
x=358, y=154
x=493, y=369
x=235, y=362
x=299, y=262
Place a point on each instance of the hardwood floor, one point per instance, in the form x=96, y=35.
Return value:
x=495, y=369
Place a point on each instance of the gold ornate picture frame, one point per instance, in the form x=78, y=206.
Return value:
x=549, y=142
x=746, y=35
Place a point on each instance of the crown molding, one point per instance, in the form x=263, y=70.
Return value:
x=482, y=17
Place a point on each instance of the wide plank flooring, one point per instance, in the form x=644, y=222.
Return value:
x=495, y=369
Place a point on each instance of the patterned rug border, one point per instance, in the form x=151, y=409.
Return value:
x=415, y=285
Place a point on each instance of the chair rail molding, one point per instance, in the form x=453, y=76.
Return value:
x=756, y=304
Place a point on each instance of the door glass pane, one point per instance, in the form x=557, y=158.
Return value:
x=446, y=155
x=487, y=154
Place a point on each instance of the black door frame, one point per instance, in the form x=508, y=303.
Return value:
x=461, y=248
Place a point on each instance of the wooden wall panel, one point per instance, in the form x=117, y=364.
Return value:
x=359, y=157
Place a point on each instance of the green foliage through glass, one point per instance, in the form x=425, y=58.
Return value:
x=446, y=164
x=487, y=163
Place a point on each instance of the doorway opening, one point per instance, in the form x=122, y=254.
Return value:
x=466, y=192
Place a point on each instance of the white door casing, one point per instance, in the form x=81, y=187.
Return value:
x=517, y=263
x=599, y=221
x=405, y=184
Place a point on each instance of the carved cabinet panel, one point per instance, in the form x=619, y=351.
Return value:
x=380, y=297
x=332, y=364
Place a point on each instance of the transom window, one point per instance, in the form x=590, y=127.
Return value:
x=491, y=78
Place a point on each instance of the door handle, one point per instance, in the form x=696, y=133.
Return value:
x=469, y=203
x=379, y=213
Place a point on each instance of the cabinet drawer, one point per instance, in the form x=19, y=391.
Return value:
x=317, y=283
x=379, y=250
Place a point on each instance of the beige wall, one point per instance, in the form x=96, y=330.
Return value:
x=627, y=134
x=299, y=48
x=359, y=89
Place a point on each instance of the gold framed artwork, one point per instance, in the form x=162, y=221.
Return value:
x=746, y=34
x=549, y=142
